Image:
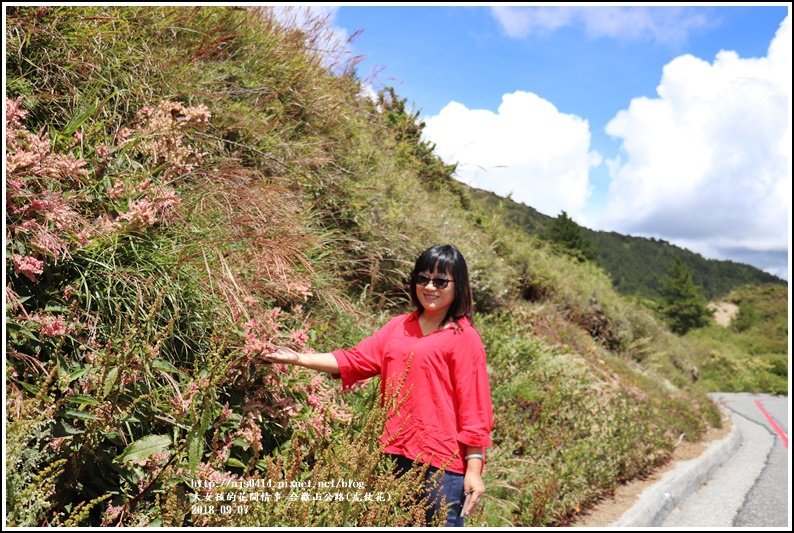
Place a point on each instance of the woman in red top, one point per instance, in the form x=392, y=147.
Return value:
x=444, y=415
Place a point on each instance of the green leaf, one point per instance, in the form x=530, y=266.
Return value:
x=195, y=439
x=82, y=399
x=63, y=368
x=15, y=329
x=161, y=364
x=63, y=428
x=33, y=389
x=144, y=447
x=195, y=449
x=236, y=463
x=110, y=380
x=78, y=373
x=82, y=415
x=206, y=417
x=87, y=107
x=171, y=421
x=113, y=436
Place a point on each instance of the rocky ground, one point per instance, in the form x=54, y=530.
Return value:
x=724, y=312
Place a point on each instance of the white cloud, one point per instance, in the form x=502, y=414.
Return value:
x=368, y=91
x=707, y=164
x=527, y=148
x=519, y=22
x=662, y=24
x=330, y=42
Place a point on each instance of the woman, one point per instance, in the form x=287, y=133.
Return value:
x=434, y=361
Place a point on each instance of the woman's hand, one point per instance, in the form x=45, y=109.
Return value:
x=324, y=362
x=283, y=355
x=473, y=488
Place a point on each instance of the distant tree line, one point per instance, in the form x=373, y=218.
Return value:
x=637, y=265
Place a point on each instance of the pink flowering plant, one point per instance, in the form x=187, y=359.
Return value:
x=57, y=217
x=93, y=315
x=125, y=384
x=52, y=209
x=133, y=386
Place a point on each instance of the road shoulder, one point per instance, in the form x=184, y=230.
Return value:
x=613, y=507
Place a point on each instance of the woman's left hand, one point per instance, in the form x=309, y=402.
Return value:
x=473, y=489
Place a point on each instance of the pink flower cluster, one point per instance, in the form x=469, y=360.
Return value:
x=28, y=266
x=32, y=154
x=251, y=432
x=320, y=398
x=156, y=205
x=154, y=461
x=206, y=472
x=149, y=211
x=111, y=513
x=258, y=334
x=51, y=326
x=316, y=424
x=221, y=455
x=57, y=443
x=300, y=288
x=116, y=191
x=103, y=151
x=43, y=192
x=55, y=210
x=299, y=338
x=47, y=209
x=255, y=342
x=163, y=128
x=14, y=113
x=183, y=401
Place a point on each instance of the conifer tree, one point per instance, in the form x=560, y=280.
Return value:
x=566, y=232
x=684, y=306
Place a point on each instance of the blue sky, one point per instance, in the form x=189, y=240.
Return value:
x=670, y=122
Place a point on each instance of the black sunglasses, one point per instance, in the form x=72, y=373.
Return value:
x=438, y=283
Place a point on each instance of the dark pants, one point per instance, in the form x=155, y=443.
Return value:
x=448, y=485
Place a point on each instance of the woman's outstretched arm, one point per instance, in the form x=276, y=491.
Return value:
x=323, y=362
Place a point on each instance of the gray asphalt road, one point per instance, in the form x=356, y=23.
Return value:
x=767, y=501
x=751, y=488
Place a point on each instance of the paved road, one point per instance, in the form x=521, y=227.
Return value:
x=751, y=488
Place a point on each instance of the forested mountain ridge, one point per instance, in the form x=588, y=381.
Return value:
x=636, y=265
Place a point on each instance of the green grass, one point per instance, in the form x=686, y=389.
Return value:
x=752, y=353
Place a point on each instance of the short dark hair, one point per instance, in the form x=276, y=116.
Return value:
x=443, y=258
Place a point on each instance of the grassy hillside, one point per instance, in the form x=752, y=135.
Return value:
x=189, y=187
x=637, y=265
x=752, y=353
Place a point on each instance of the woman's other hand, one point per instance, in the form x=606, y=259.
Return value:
x=473, y=488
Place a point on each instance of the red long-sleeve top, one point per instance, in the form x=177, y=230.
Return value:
x=445, y=401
